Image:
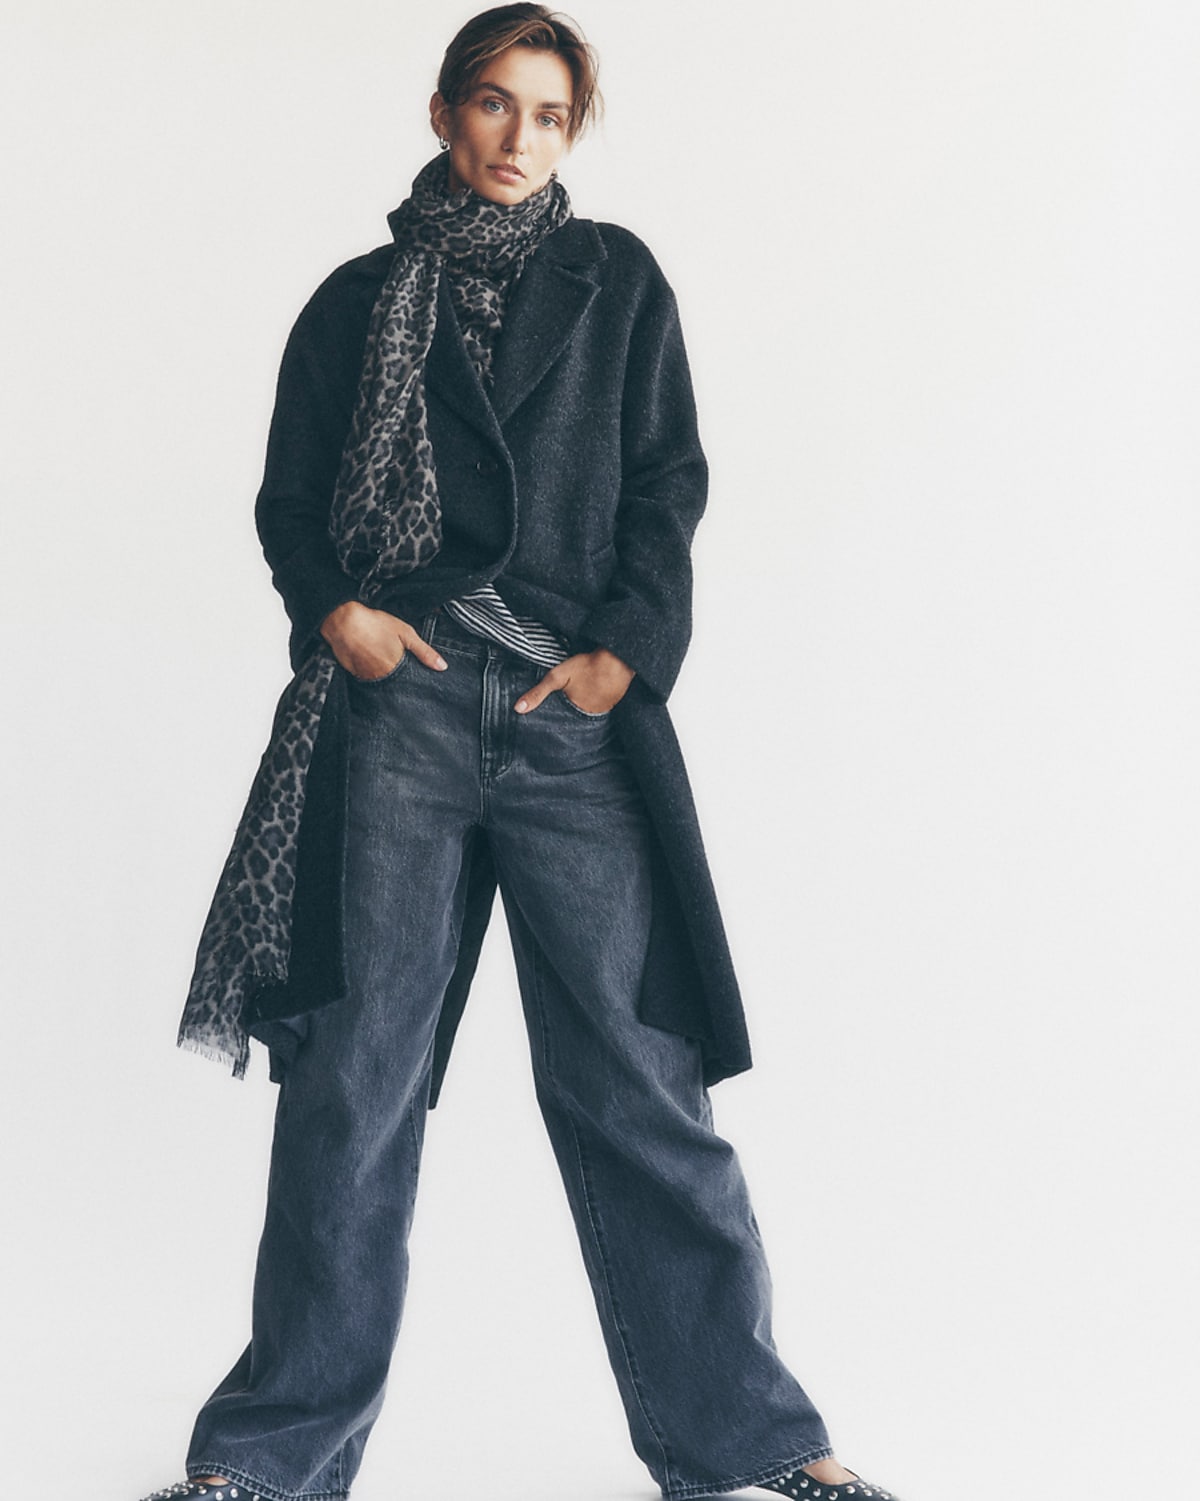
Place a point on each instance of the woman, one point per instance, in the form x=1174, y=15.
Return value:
x=482, y=480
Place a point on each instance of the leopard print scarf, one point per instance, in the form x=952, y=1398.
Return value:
x=386, y=516
x=385, y=521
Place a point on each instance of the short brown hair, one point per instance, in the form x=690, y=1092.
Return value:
x=495, y=31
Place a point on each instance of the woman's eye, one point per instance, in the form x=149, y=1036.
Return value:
x=494, y=105
x=550, y=121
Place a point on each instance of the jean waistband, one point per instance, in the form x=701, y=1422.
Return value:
x=443, y=631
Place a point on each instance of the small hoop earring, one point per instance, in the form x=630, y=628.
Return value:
x=443, y=143
x=554, y=174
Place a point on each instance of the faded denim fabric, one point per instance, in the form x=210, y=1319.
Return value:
x=668, y=1235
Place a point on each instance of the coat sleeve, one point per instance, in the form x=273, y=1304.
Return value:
x=646, y=617
x=313, y=408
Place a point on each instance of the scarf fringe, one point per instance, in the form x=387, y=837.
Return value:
x=235, y=1062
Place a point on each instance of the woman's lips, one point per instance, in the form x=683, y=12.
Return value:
x=510, y=175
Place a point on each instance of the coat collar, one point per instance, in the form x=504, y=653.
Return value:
x=552, y=294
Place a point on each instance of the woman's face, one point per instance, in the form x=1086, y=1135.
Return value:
x=510, y=132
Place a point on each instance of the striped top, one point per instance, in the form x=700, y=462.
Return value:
x=484, y=613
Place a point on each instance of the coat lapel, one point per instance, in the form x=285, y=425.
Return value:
x=553, y=293
x=449, y=371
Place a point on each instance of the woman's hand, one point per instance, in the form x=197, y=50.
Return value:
x=594, y=681
x=371, y=643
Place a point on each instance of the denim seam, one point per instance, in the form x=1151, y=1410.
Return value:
x=448, y=649
x=415, y=1139
x=537, y=962
x=256, y=1487
x=486, y=769
x=757, y=1477
x=536, y=967
x=593, y=1220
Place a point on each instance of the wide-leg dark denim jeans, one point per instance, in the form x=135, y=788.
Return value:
x=668, y=1235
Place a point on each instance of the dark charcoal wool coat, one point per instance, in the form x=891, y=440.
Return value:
x=574, y=486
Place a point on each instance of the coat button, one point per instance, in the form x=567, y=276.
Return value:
x=486, y=466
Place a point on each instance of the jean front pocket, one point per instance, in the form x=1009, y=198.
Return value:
x=387, y=677
x=581, y=713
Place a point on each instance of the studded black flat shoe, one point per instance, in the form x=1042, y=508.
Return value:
x=797, y=1483
x=191, y=1490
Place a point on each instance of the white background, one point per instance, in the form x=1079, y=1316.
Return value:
x=937, y=266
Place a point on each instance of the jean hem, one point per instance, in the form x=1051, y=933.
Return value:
x=756, y=1477
x=255, y=1489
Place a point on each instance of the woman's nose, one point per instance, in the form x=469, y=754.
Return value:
x=517, y=139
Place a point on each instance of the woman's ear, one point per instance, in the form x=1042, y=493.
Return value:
x=439, y=117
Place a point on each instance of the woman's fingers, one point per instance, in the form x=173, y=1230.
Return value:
x=551, y=683
x=371, y=643
x=420, y=648
x=594, y=681
x=369, y=665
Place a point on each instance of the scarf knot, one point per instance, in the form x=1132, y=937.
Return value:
x=471, y=234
